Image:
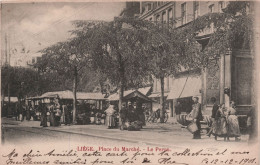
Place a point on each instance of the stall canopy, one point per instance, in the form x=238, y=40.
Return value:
x=185, y=87
x=130, y=94
x=155, y=95
x=90, y=96
x=69, y=95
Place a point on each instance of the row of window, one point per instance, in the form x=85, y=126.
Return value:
x=168, y=15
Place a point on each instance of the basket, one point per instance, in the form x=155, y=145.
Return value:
x=192, y=127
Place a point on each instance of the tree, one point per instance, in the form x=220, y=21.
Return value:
x=67, y=59
x=233, y=28
x=117, y=50
x=163, y=57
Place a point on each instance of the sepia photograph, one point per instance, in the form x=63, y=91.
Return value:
x=129, y=82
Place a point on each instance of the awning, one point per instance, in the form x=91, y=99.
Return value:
x=115, y=96
x=185, y=87
x=12, y=99
x=155, y=95
x=90, y=96
x=69, y=95
x=62, y=94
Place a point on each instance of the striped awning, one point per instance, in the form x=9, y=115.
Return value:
x=185, y=87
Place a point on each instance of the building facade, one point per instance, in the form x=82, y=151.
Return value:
x=228, y=78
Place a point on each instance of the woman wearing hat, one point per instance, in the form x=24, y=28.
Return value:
x=196, y=116
x=110, y=116
x=232, y=122
x=220, y=126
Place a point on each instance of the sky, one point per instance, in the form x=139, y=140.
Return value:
x=30, y=27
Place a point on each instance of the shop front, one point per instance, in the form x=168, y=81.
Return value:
x=183, y=89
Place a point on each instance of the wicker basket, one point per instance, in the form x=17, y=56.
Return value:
x=192, y=127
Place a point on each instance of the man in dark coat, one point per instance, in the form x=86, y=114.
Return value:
x=131, y=113
x=141, y=115
x=178, y=108
x=197, y=116
x=43, y=110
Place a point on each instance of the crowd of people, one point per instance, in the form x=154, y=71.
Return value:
x=224, y=120
x=54, y=110
x=51, y=112
x=132, y=116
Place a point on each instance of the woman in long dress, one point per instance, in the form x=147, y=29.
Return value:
x=57, y=112
x=219, y=128
x=110, y=118
x=51, y=111
x=232, y=122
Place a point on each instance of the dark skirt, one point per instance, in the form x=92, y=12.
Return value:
x=52, y=119
x=43, y=120
x=141, y=118
x=196, y=134
x=57, y=121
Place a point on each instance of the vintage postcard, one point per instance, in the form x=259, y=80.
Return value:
x=129, y=82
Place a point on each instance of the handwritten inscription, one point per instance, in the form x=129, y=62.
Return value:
x=127, y=155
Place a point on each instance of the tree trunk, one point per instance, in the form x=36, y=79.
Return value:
x=8, y=94
x=121, y=95
x=75, y=95
x=162, y=100
x=121, y=87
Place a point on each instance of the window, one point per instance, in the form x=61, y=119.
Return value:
x=149, y=6
x=157, y=19
x=170, y=16
x=211, y=8
x=221, y=5
x=183, y=14
x=196, y=9
x=164, y=17
x=250, y=7
x=154, y=5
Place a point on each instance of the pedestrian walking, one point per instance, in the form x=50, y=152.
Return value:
x=196, y=116
x=17, y=112
x=232, y=122
x=67, y=114
x=220, y=125
x=131, y=117
x=23, y=110
x=57, y=112
x=141, y=115
x=110, y=116
x=43, y=109
x=51, y=112
x=213, y=114
x=28, y=112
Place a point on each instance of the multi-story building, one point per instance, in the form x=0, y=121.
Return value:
x=233, y=71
